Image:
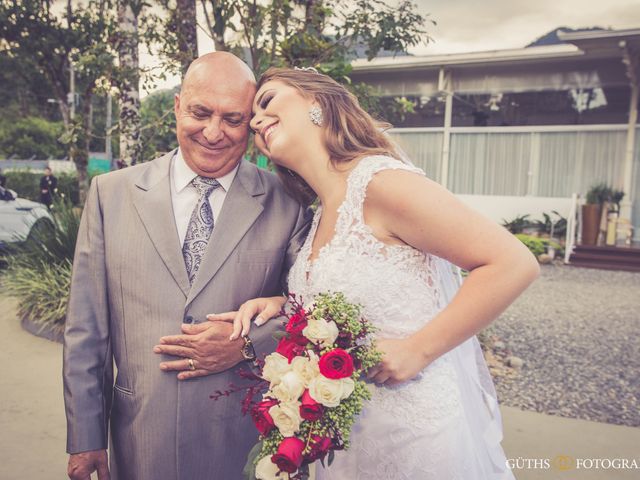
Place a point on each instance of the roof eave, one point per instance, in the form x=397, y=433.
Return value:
x=598, y=34
x=531, y=54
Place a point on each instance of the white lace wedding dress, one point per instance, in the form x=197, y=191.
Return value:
x=444, y=424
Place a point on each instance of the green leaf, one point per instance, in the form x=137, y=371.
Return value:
x=279, y=335
x=249, y=470
x=332, y=455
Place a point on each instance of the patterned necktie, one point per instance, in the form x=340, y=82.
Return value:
x=200, y=226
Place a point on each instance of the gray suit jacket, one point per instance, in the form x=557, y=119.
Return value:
x=130, y=288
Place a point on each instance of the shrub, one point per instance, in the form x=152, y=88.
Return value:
x=42, y=291
x=32, y=137
x=38, y=269
x=557, y=227
x=537, y=245
x=518, y=224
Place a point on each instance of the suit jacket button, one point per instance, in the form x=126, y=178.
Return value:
x=188, y=319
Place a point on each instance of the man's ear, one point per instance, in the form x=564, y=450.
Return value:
x=176, y=104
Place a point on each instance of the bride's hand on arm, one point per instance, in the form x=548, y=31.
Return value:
x=264, y=309
x=402, y=206
x=401, y=361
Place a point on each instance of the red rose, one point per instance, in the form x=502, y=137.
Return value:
x=289, y=455
x=310, y=409
x=261, y=417
x=336, y=364
x=319, y=447
x=289, y=348
x=297, y=323
x=299, y=340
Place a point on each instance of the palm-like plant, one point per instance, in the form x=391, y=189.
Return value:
x=600, y=193
x=38, y=269
x=518, y=224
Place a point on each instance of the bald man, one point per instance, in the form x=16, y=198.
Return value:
x=160, y=246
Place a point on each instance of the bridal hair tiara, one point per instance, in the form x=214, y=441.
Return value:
x=307, y=69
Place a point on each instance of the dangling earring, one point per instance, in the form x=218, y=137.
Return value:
x=291, y=173
x=315, y=113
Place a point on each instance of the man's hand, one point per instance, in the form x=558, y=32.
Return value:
x=206, y=344
x=82, y=465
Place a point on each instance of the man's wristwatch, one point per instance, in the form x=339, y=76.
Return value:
x=247, y=350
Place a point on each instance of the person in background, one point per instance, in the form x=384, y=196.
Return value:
x=48, y=187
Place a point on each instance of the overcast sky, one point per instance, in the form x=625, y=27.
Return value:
x=476, y=25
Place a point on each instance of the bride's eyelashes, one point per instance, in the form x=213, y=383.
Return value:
x=264, y=102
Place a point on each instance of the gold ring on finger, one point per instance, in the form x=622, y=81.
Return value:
x=191, y=365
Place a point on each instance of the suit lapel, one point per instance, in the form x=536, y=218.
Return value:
x=240, y=210
x=152, y=200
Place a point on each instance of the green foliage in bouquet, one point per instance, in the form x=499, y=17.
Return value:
x=348, y=317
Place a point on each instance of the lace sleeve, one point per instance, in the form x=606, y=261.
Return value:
x=352, y=208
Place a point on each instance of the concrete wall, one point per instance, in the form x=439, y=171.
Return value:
x=499, y=208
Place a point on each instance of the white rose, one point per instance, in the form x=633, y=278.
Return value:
x=286, y=417
x=290, y=388
x=275, y=366
x=321, y=332
x=330, y=392
x=348, y=385
x=267, y=470
x=307, y=368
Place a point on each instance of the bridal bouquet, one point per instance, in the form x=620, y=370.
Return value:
x=313, y=388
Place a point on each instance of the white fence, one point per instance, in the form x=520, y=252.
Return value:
x=57, y=166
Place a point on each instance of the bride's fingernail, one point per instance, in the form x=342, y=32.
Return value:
x=259, y=321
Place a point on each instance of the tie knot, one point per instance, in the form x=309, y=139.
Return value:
x=205, y=185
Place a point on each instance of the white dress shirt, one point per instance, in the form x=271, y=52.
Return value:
x=184, y=196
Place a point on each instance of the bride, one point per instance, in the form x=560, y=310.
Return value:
x=392, y=240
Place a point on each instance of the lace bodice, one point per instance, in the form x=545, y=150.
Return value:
x=395, y=284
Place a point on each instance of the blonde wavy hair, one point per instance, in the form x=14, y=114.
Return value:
x=349, y=131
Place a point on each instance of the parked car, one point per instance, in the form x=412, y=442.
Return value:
x=20, y=217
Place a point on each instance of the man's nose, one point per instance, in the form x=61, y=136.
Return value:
x=213, y=131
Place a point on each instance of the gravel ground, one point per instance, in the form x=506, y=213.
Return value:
x=577, y=330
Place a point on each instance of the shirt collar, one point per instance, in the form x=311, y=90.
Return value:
x=182, y=174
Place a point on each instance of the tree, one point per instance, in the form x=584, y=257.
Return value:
x=24, y=91
x=179, y=40
x=128, y=80
x=73, y=53
x=31, y=137
x=218, y=15
x=321, y=33
x=158, y=133
x=326, y=34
